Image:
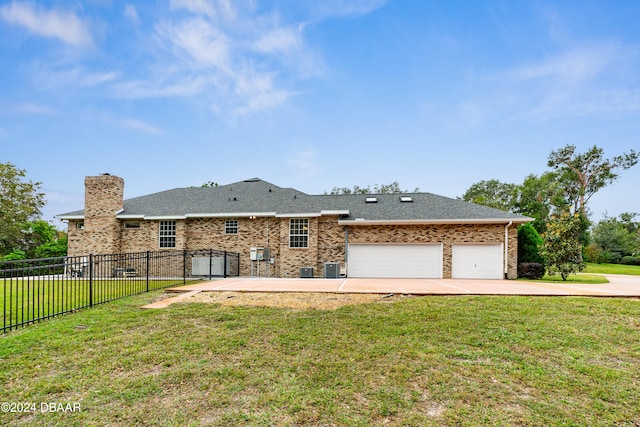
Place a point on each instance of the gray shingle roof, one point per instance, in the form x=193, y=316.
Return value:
x=257, y=197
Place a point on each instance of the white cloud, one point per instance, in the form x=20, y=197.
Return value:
x=577, y=82
x=48, y=78
x=206, y=8
x=30, y=108
x=571, y=67
x=61, y=25
x=280, y=40
x=180, y=87
x=131, y=13
x=202, y=41
x=328, y=8
x=141, y=126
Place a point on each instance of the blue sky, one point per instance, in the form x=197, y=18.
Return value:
x=313, y=95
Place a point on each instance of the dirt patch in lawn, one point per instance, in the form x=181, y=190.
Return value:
x=294, y=300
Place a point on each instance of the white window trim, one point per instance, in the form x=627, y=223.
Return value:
x=167, y=233
x=301, y=221
x=228, y=226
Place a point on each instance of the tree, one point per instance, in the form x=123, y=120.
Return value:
x=20, y=202
x=393, y=188
x=40, y=239
x=210, y=184
x=616, y=238
x=52, y=249
x=583, y=175
x=562, y=247
x=539, y=197
x=493, y=193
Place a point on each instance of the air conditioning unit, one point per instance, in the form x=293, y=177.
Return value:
x=331, y=270
x=306, y=272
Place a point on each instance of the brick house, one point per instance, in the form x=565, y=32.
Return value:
x=278, y=231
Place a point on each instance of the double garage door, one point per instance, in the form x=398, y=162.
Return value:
x=424, y=261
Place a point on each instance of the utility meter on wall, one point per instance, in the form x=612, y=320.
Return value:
x=256, y=254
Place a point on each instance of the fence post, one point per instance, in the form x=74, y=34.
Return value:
x=90, y=280
x=147, y=261
x=184, y=267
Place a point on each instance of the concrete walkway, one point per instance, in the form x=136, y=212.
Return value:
x=618, y=286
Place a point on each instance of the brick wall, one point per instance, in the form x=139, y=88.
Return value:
x=448, y=235
x=104, y=197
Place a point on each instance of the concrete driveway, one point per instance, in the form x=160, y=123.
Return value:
x=618, y=286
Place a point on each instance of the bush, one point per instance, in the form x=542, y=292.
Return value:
x=529, y=244
x=531, y=270
x=593, y=253
x=630, y=260
x=611, y=257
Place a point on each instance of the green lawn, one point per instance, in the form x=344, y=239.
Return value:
x=28, y=298
x=592, y=279
x=632, y=270
x=413, y=361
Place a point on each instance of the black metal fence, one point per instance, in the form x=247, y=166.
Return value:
x=37, y=289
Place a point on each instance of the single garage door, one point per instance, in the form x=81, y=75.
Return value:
x=477, y=261
x=395, y=260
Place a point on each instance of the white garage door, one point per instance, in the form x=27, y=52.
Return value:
x=477, y=262
x=389, y=260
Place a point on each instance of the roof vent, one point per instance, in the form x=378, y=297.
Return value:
x=406, y=199
x=371, y=200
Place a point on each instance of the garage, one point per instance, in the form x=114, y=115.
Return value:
x=484, y=261
x=395, y=260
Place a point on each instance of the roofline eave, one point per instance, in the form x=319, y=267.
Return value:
x=362, y=221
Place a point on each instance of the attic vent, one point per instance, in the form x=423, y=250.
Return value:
x=371, y=200
x=406, y=199
x=252, y=180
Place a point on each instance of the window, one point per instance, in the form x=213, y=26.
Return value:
x=80, y=225
x=167, y=234
x=299, y=233
x=231, y=226
x=132, y=224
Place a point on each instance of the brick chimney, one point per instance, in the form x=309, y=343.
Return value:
x=103, y=199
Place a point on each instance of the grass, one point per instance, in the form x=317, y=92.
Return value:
x=27, y=298
x=459, y=361
x=593, y=274
x=631, y=270
x=582, y=278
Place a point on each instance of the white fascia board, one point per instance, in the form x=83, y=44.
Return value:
x=231, y=215
x=299, y=215
x=335, y=212
x=69, y=217
x=130, y=216
x=165, y=218
x=360, y=221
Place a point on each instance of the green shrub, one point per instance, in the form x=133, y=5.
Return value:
x=529, y=244
x=14, y=256
x=531, y=270
x=630, y=260
x=593, y=253
x=611, y=257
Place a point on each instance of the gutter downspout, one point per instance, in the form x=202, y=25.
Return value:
x=506, y=249
x=346, y=246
